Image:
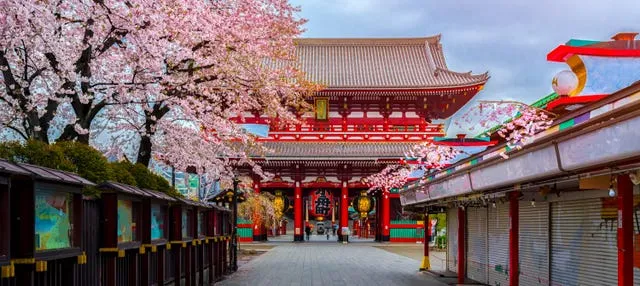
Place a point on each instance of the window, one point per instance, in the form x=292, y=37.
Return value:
x=126, y=221
x=158, y=227
x=53, y=220
x=187, y=227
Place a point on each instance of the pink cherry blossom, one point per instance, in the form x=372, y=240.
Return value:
x=168, y=75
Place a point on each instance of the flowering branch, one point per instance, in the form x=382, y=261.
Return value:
x=426, y=155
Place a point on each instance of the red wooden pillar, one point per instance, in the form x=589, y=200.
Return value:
x=426, y=265
x=461, y=247
x=344, y=206
x=257, y=227
x=625, y=231
x=297, y=218
x=386, y=216
x=514, y=247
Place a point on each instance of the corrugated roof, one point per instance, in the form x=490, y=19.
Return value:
x=42, y=173
x=380, y=63
x=9, y=168
x=194, y=203
x=124, y=188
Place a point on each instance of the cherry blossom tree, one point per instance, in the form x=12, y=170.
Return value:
x=199, y=63
x=62, y=61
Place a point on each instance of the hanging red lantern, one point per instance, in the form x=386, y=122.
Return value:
x=363, y=204
x=321, y=205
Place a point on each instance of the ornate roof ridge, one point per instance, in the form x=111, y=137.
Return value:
x=368, y=41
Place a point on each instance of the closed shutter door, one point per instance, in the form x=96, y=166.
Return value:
x=534, y=244
x=477, y=244
x=452, y=240
x=499, y=244
x=584, y=243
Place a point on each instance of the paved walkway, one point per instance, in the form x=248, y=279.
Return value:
x=330, y=264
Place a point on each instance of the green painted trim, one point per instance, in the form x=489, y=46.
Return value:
x=581, y=43
x=406, y=233
x=542, y=103
x=404, y=221
x=567, y=124
x=244, y=221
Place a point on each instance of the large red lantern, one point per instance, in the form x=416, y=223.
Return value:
x=321, y=205
x=363, y=204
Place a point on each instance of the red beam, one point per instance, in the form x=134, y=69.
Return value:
x=339, y=121
x=403, y=90
x=575, y=100
x=457, y=143
x=276, y=185
x=561, y=53
x=321, y=185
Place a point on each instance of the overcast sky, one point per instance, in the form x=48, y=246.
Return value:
x=508, y=38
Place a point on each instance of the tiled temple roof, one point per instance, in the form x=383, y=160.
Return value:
x=395, y=63
x=338, y=150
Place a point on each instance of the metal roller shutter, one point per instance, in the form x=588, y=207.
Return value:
x=584, y=242
x=452, y=240
x=477, y=244
x=534, y=244
x=499, y=247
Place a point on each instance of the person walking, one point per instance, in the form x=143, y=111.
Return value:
x=307, y=230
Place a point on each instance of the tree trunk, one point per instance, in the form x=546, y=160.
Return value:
x=150, y=120
x=144, y=151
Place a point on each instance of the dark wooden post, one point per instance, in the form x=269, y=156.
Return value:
x=188, y=265
x=22, y=229
x=110, y=239
x=210, y=234
x=175, y=236
x=133, y=266
x=200, y=251
x=145, y=229
x=161, y=265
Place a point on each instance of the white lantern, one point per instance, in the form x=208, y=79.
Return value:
x=564, y=83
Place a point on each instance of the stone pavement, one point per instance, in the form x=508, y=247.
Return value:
x=329, y=264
